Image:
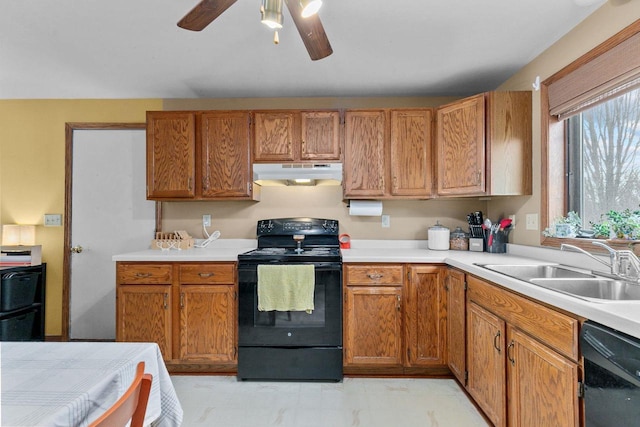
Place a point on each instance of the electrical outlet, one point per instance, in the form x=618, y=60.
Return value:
x=513, y=220
x=52, y=220
x=206, y=220
x=386, y=221
x=532, y=221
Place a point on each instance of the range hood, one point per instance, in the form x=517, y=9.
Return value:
x=297, y=173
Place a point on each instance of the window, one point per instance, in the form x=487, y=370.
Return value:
x=590, y=135
x=603, y=144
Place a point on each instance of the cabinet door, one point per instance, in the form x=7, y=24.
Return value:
x=426, y=316
x=171, y=154
x=486, y=363
x=364, y=154
x=208, y=323
x=373, y=325
x=543, y=386
x=225, y=160
x=144, y=315
x=275, y=136
x=320, y=135
x=456, y=327
x=460, y=140
x=411, y=165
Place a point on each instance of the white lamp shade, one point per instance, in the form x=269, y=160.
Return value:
x=18, y=235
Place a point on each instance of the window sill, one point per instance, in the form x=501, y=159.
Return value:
x=586, y=244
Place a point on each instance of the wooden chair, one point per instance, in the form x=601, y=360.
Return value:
x=131, y=406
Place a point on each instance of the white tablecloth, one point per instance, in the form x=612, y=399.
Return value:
x=72, y=383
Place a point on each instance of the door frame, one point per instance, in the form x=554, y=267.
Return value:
x=70, y=127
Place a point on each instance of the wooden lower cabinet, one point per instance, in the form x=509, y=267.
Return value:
x=373, y=315
x=522, y=359
x=394, y=319
x=207, y=323
x=189, y=309
x=486, y=362
x=426, y=316
x=144, y=315
x=456, y=288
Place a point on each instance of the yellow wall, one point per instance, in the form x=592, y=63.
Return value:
x=32, y=170
x=602, y=24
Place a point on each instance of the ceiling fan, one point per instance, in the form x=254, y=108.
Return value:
x=310, y=28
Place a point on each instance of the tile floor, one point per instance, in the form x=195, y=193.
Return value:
x=223, y=401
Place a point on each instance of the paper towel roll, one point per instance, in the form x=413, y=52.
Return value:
x=365, y=207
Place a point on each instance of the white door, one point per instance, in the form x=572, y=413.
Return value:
x=110, y=215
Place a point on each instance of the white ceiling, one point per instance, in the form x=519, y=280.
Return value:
x=134, y=49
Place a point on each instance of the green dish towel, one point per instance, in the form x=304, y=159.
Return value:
x=286, y=287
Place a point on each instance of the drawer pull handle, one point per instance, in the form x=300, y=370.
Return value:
x=204, y=275
x=143, y=274
x=374, y=276
x=496, y=342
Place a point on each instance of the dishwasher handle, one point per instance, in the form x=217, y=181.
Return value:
x=614, y=351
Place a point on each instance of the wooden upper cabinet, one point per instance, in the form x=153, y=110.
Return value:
x=483, y=145
x=199, y=155
x=296, y=136
x=364, y=153
x=320, y=135
x=404, y=137
x=171, y=155
x=225, y=160
x=411, y=160
x=274, y=136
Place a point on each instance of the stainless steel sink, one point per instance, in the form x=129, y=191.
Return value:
x=527, y=272
x=595, y=289
x=572, y=282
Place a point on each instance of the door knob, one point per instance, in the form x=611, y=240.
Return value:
x=76, y=249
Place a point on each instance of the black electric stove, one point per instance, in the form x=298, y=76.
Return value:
x=294, y=240
x=292, y=345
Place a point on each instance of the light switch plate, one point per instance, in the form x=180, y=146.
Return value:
x=532, y=221
x=52, y=220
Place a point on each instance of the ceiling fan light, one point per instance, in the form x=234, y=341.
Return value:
x=271, y=12
x=310, y=7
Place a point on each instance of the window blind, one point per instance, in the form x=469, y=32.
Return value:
x=606, y=76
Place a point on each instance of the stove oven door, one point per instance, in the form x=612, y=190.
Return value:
x=321, y=328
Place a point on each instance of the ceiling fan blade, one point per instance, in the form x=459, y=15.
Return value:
x=311, y=31
x=204, y=13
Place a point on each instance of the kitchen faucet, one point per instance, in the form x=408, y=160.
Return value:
x=624, y=264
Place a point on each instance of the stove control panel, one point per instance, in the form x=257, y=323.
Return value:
x=290, y=226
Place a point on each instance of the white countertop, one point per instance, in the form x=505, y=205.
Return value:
x=218, y=250
x=621, y=315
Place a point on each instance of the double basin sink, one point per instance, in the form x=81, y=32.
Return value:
x=588, y=286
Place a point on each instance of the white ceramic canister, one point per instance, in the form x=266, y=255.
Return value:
x=438, y=237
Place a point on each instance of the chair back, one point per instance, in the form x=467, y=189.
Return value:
x=132, y=406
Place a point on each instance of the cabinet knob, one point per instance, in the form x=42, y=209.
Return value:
x=76, y=249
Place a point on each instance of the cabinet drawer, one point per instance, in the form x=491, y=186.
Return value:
x=548, y=326
x=207, y=273
x=374, y=275
x=132, y=274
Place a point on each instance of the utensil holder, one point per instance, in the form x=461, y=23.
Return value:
x=497, y=244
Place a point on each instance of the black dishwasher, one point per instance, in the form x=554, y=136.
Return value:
x=612, y=377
